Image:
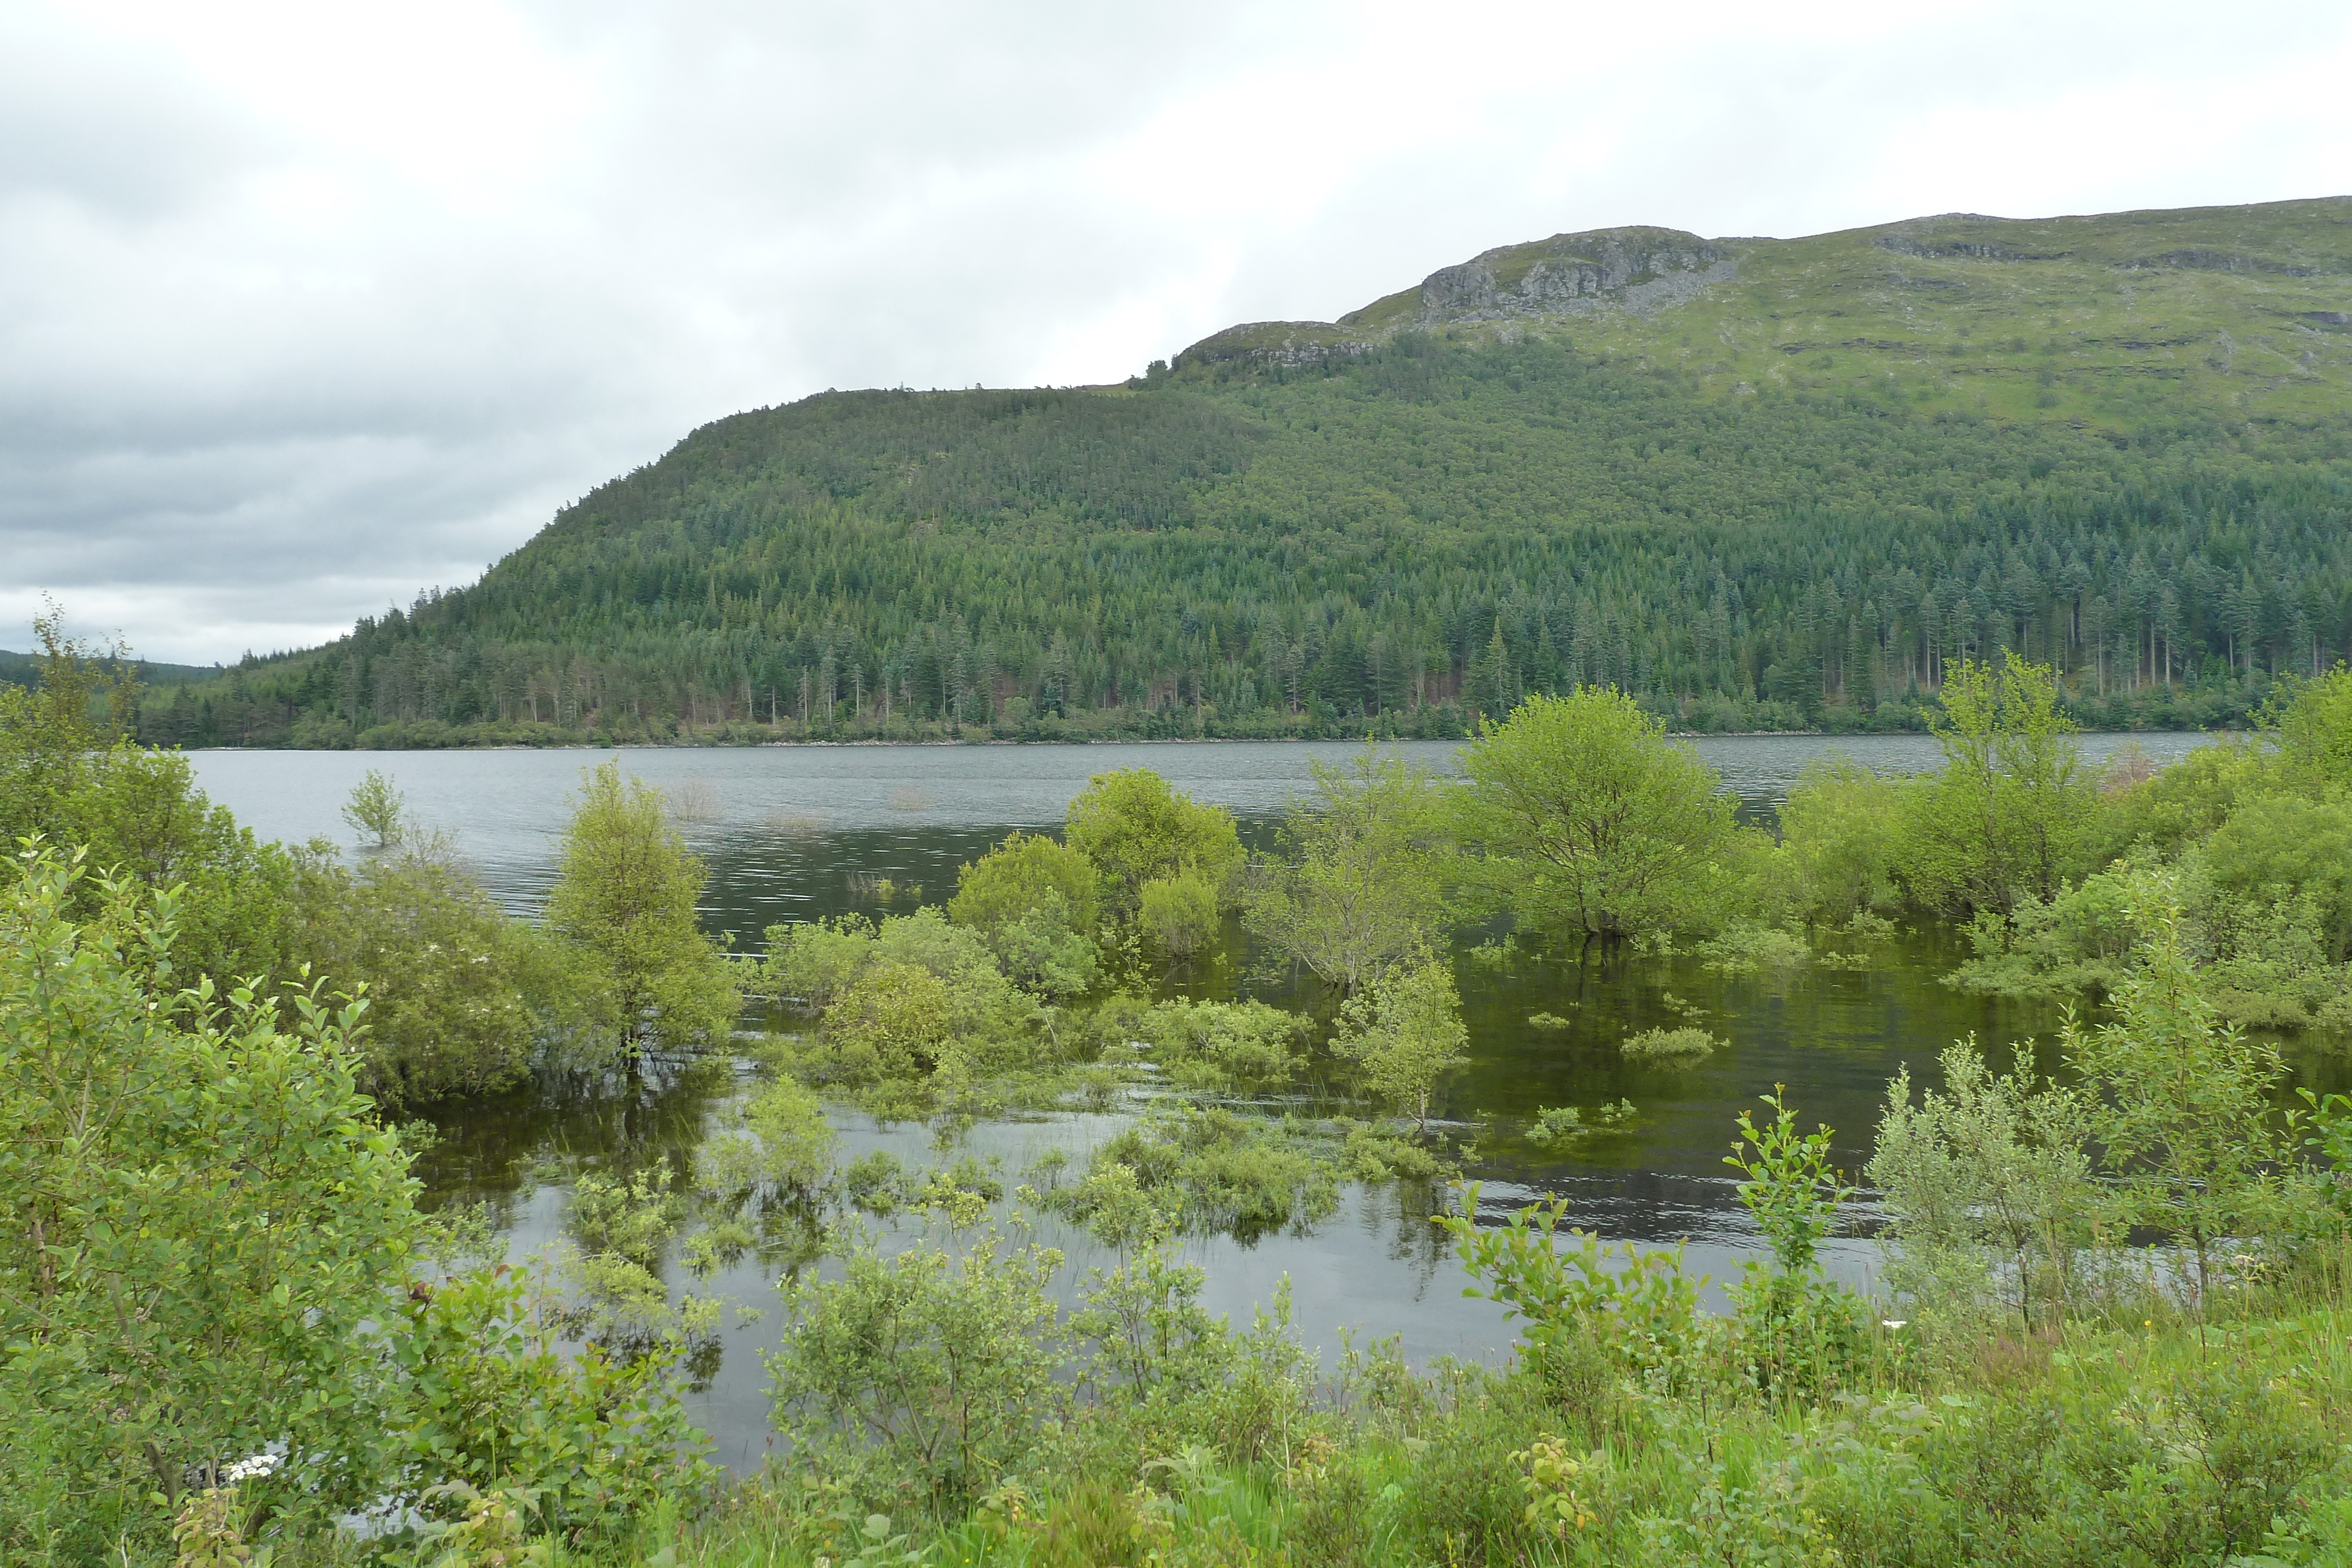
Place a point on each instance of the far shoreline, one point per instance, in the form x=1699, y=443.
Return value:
x=1154, y=740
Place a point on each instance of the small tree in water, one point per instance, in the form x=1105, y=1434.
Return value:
x=1593, y=823
x=1406, y=1029
x=625, y=898
x=2012, y=811
x=2184, y=1105
x=376, y=810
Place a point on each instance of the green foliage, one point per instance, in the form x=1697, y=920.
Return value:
x=1560, y=1124
x=378, y=811
x=1207, y=1045
x=2283, y=849
x=1014, y=878
x=2184, y=1111
x=1208, y=1170
x=1744, y=947
x=76, y=706
x=1988, y=1184
x=1593, y=823
x=1036, y=904
x=1796, y=1326
x=916, y=1003
x=463, y=999
x=2013, y=813
x=630, y=1216
x=1362, y=882
x=1842, y=831
x=930, y=1369
x=812, y=963
x=198, y=1223
x=1636, y=1303
x=1670, y=1045
x=1178, y=916
x=779, y=1139
x=1136, y=830
x=1788, y=1183
x=1406, y=1033
x=496, y=1405
x=2189, y=800
x=2082, y=940
x=624, y=896
x=2313, y=728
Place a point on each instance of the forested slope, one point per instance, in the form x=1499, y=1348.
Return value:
x=1760, y=484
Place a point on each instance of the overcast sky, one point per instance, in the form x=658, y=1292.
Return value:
x=304, y=307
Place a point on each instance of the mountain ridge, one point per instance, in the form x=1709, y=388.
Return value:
x=1760, y=483
x=2280, y=273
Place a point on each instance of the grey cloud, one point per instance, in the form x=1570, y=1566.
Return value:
x=255, y=382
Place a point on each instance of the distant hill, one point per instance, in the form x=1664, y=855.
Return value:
x=23, y=670
x=1760, y=482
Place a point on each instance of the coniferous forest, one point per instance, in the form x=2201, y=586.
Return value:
x=1775, y=485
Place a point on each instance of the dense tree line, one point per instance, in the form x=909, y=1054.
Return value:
x=1391, y=542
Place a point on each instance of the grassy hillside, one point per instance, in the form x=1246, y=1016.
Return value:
x=1761, y=483
x=2116, y=319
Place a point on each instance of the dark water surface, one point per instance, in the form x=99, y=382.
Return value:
x=787, y=829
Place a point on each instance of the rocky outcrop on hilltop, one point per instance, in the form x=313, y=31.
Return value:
x=1639, y=270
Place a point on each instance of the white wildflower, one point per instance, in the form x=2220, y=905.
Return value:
x=1892, y=1323
x=253, y=1469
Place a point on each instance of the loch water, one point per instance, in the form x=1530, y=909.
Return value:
x=798, y=832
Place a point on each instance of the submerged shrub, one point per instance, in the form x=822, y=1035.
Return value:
x=1670, y=1044
x=1206, y=1045
x=497, y=1403
x=1214, y=1170
x=1752, y=950
x=930, y=1369
x=1556, y=1125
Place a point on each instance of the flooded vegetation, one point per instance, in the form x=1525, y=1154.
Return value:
x=1572, y=1146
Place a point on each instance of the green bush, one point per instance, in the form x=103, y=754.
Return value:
x=1669, y=1044
x=925, y=1375
x=495, y=1403
x=199, y=1224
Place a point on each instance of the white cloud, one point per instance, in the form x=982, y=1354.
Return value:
x=305, y=308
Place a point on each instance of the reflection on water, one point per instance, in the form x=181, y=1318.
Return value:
x=796, y=832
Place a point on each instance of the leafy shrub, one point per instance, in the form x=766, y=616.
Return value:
x=1795, y=1327
x=1213, y=1170
x=777, y=1139
x=623, y=900
x=1207, y=1045
x=1036, y=904
x=1841, y=832
x=1138, y=830
x=1556, y=1125
x=1989, y=1183
x=495, y=1404
x=199, y=1221
x=1669, y=1044
x=1406, y=1030
x=1178, y=915
x=910, y=1009
x=462, y=996
x=1635, y=1301
x=1751, y=949
x=926, y=1373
